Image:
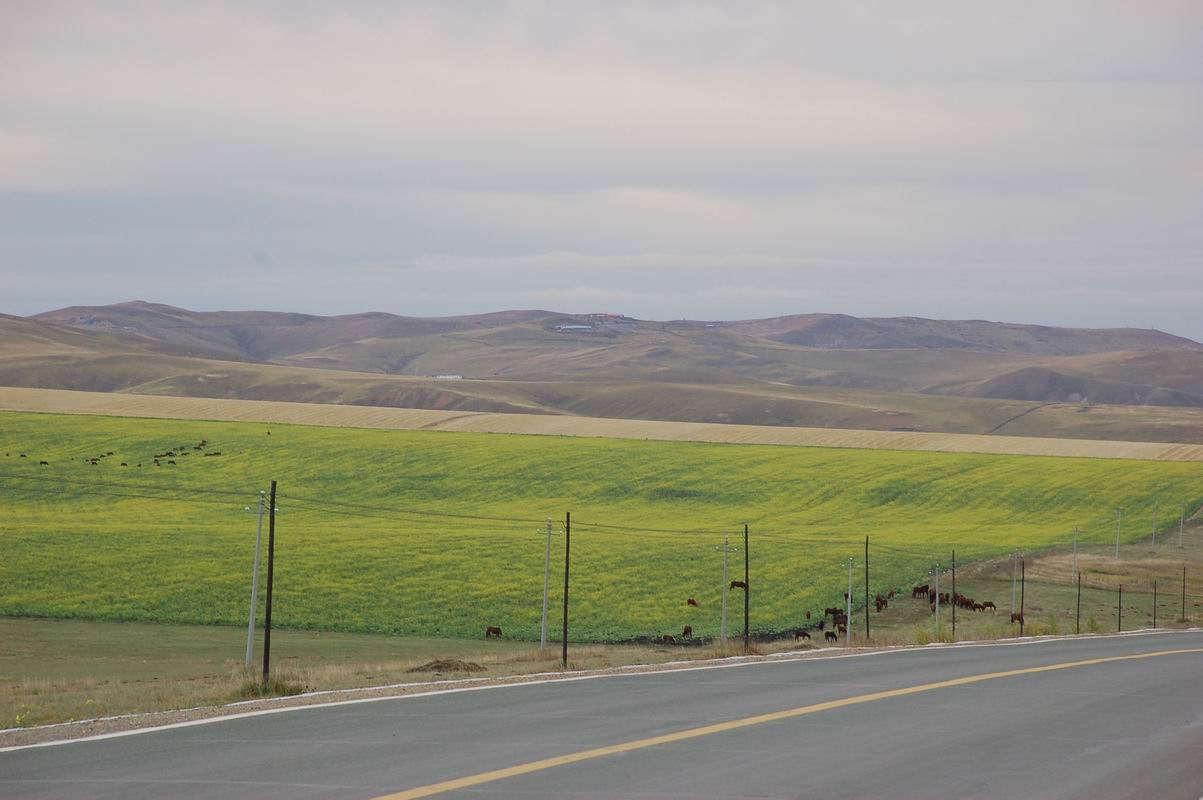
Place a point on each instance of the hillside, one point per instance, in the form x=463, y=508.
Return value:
x=807, y=370
x=424, y=532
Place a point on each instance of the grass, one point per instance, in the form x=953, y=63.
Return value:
x=174, y=544
x=61, y=670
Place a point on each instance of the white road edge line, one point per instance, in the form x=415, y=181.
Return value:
x=629, y=672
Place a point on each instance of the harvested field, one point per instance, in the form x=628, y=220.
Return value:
x=127, y=405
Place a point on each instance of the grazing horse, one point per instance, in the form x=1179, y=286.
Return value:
x=687, y=633
x=880, y=605
x=978, y=607
x=822, y=623
x=800, y=635
x=830, y=636
x=919, y=591
x=842, y=628
x=492, y=631
x=890, y=595
x=834, y=612
x=1017, y=617
x=666, y=639
x=691, y=602
x=739, y=585
x=990, y=605
x=808, y=615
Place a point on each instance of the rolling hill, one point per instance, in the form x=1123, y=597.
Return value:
x=819, y=370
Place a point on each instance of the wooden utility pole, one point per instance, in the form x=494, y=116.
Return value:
x=954, y=595
x=1022, y=586
x=747, y=588
x=271, y=565
x=866, y=590
x=567, y=546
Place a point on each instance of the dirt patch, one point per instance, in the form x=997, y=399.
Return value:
x=448, y=665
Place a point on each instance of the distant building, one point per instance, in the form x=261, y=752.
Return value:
x=574, y=328
x=448, y=377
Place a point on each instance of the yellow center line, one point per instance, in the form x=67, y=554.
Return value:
x=746, y=722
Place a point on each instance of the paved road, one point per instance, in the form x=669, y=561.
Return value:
x=1127, y=727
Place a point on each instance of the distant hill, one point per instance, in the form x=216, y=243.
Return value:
x=825, y=370
x=842, y=332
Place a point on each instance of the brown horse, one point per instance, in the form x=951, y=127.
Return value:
x=492, y=631
x=691, y=602
x=990, y=605
x=1017, y=617
x=800, y=635
x=739, y=585
x=687, y=633
x=830, y=636
x=666, y=639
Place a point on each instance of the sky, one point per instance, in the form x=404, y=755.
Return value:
x=1029, y=162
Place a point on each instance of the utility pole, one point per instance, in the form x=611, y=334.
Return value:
x=1022, y=585
x=1014, y=556
x=1154, y=604
x=727, y=550
x=271, y=564
x=1078, y=613
x=1075, y=566
x=937, y=571
x=567, y=546
x=954, y=595
x=250, y=625
x=546, y=580
x=848, y=615
x=1184, y=593
x=747, y=588
x=866, y=590
x=1119, y=517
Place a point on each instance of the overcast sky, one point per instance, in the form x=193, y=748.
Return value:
x=1033, y=162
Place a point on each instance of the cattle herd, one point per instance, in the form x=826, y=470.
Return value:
x=166, y=458
x=838, y=616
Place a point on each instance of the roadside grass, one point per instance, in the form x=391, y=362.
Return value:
x=438, y=535
x=62, y=670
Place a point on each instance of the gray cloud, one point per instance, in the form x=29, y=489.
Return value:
x=1036, y=162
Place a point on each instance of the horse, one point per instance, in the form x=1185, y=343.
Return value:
x=691, y=602
x=739, y=585
x=800, y=635
x=687, y=633
x=830, y=636
x=990, y=605
x=492, y=631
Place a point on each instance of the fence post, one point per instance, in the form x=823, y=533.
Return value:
x=1154, y=604
x=1119, y=611
x=271, y=574
x=1184, y=593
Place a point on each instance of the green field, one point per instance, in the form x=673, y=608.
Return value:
x=438, y=534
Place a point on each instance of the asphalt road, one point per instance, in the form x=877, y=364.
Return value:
x=1130, y=727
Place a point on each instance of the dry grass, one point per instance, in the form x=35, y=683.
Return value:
x=127, y=405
